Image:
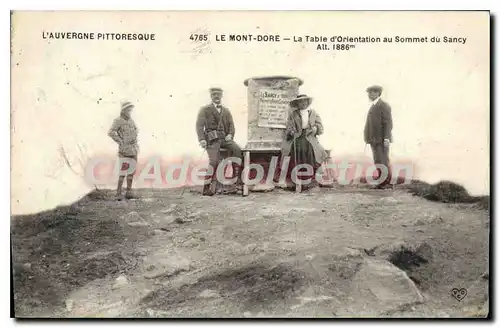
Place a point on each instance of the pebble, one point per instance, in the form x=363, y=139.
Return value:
x=209, y=293
x=69, y=305
x=132, y=216
x=138, y=224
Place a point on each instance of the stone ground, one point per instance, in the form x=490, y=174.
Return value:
x=341, y=252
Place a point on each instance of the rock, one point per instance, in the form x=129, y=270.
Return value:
x=477, y=293
x=250, y=248
x=310, y=257
x=180, y=220
x=138, y=224
x=429, y=219
x=280, y=185
x=262, y=187
x=194, y=215
x=168, y=219
x=132, y=217
x=27, y=266
x=120, y=282
x=346, y=252
x=314, y=190
x=424, y=250
x=389, y=200
x=247, y=314
x=477, y=311
x=140, y=252
x=69, y=305
x=379, y=287
x=209, y=293
x=170, y=209
x=165, y=264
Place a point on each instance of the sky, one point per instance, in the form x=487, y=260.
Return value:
x=66, y=93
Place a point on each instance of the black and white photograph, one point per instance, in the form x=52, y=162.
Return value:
x=250, y=164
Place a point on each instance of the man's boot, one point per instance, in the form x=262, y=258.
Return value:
x=207, y=190
x=128, y=193
x=238, y=172
x=119, y=189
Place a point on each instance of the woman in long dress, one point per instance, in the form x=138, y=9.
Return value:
x=301, y=143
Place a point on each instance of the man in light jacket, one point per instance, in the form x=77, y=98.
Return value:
x=125, y=133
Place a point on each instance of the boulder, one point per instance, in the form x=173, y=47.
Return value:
x=379, y=287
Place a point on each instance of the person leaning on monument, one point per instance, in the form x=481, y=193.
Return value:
x=378, y=132
x=124, y=132
x=215, y=130
x=301, y=143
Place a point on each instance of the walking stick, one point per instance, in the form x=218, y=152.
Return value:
x=298, y=186
x=185, y=185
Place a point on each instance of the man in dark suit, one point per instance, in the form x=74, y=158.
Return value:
x=378, y=131
x=215, y=129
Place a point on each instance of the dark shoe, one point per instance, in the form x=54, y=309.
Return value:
x=311, y=185
x=377, y=187
x=129, y=195
x=232, y=189
x=207, y=190
x=387, y=186
x=119, y=195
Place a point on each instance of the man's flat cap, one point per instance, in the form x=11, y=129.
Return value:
x=215, y=89
x=376, y=88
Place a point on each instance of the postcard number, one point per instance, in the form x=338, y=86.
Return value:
x=199, y=37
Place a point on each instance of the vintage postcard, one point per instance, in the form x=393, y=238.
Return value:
x=250, y=164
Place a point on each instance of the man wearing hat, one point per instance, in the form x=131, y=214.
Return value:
x=378, y=131
x=215, y=130
x=124, y=132
x=303, y=127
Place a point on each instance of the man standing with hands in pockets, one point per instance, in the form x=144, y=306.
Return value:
x=378, y=133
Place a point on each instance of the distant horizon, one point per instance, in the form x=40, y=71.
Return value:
x=64, y=97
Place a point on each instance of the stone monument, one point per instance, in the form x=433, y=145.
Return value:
x=268, y=109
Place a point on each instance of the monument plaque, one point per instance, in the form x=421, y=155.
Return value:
x=268, y=108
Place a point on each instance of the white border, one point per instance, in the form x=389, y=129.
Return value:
x=184, y=5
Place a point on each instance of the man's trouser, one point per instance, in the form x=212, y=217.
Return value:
x=381, y=157
x=213, y=150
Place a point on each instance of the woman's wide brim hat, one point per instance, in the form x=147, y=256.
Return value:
x=293, y=102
